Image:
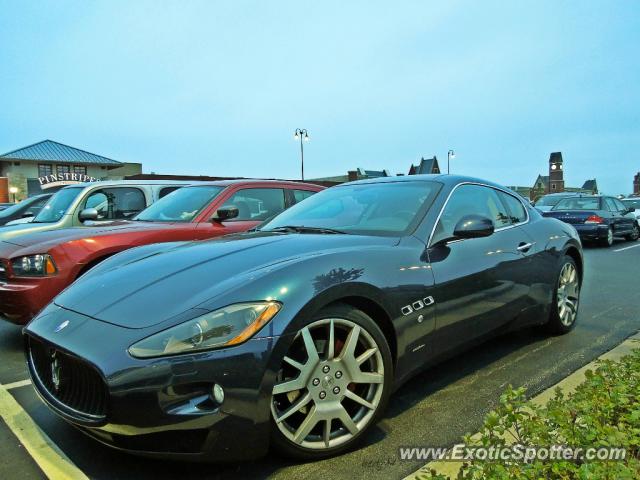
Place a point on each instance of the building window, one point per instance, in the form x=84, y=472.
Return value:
x=80, y=169
x=62, y=169
x=553, y=186
x=44, y=170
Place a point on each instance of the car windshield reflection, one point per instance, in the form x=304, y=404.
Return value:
x=384, y=209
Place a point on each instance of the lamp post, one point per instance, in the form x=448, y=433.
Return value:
x=303, y=136
x=450, y=155
x=13, y=190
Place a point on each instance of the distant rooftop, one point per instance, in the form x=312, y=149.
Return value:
x=426, y=166
x=51, y=151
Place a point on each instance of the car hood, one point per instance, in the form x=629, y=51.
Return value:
x=55, y=237
x=145, y=288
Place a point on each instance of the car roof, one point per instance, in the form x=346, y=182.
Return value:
x=567, y=194
x=446, y=179
x=223, y=183
x=254, y=181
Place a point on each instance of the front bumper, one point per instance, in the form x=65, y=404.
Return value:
x=593, y=232
x=21, y=300
x=163, y=407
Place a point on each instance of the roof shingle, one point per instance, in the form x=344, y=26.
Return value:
x=48, y=150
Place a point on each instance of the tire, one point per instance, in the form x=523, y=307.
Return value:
x=632, y=237
x=306, y=380
x=608, y=241
x=566, y=298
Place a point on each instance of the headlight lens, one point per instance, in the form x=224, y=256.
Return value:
x=228, y=326
x=41, y=265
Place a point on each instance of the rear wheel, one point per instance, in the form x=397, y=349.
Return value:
x=564, y=307
x=633, y=236
x=333, y=384
x=608, y=240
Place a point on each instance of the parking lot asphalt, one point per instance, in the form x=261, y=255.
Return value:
x=433, y=409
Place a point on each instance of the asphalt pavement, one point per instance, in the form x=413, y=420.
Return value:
x=433, y=409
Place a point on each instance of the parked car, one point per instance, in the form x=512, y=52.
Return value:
x=4, y=206
x=26, y=209
x=38, y=266
x=88, y=203
x=297, y=333
x=633, y=202
x=597, y=218
x=547, y=202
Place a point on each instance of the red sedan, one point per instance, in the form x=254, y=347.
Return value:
x=35, y=268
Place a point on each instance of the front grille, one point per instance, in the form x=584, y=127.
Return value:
x=70, y=382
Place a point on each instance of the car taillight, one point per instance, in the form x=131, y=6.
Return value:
x=594, y=219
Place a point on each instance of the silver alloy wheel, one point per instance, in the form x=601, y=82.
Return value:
x=325, y=399
x=610, y=237
x=568, y=294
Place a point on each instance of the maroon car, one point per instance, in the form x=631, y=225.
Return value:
x=34, y=268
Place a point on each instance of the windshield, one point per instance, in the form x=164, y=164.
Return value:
x=579, y=203
x=631, y=203
x=181, y=205
x=549, y=201
x=57, y=205
x=387, y=209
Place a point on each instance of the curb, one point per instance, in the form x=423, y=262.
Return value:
x=567, y=385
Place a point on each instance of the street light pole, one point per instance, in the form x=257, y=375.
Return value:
x=303, y=135
x=450, y=154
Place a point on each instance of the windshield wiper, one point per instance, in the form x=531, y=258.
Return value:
x=303, y=229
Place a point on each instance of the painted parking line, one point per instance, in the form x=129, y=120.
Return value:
x=51, y=460
x=627, y=248
x=21, y=383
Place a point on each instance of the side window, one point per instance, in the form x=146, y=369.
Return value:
x=619, y=205
x=300, y=195
x=517, y=211
x=611, y=206
x=166, y=191
x=470, y=200
x=116, y=203
x=257, y=203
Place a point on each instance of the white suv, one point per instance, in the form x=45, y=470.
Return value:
x=88, y=203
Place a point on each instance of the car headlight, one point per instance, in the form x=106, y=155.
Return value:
x=41, y=265
x=226, y=327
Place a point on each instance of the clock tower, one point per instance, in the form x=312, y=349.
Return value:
x=556, y=173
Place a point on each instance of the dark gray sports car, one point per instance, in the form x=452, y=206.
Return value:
x=296, y=334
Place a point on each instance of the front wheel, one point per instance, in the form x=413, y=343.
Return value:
x=564, y=306
x=635, y=233
x=333, y=384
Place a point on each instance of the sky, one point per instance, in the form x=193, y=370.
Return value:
x=218, y=87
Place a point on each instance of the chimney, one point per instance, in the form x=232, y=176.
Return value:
x=353, y=175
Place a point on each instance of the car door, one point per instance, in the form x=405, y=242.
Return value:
x=254, y=206
x=627, y=218
x=115, y=203
x=479, y=282
x=617, y=220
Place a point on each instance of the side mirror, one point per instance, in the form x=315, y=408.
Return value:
x=225, y=213
x=473, y=226
x=88, y=214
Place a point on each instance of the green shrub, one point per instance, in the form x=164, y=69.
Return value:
x=604, y=411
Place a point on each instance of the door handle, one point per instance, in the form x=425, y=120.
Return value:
x=525, y=247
